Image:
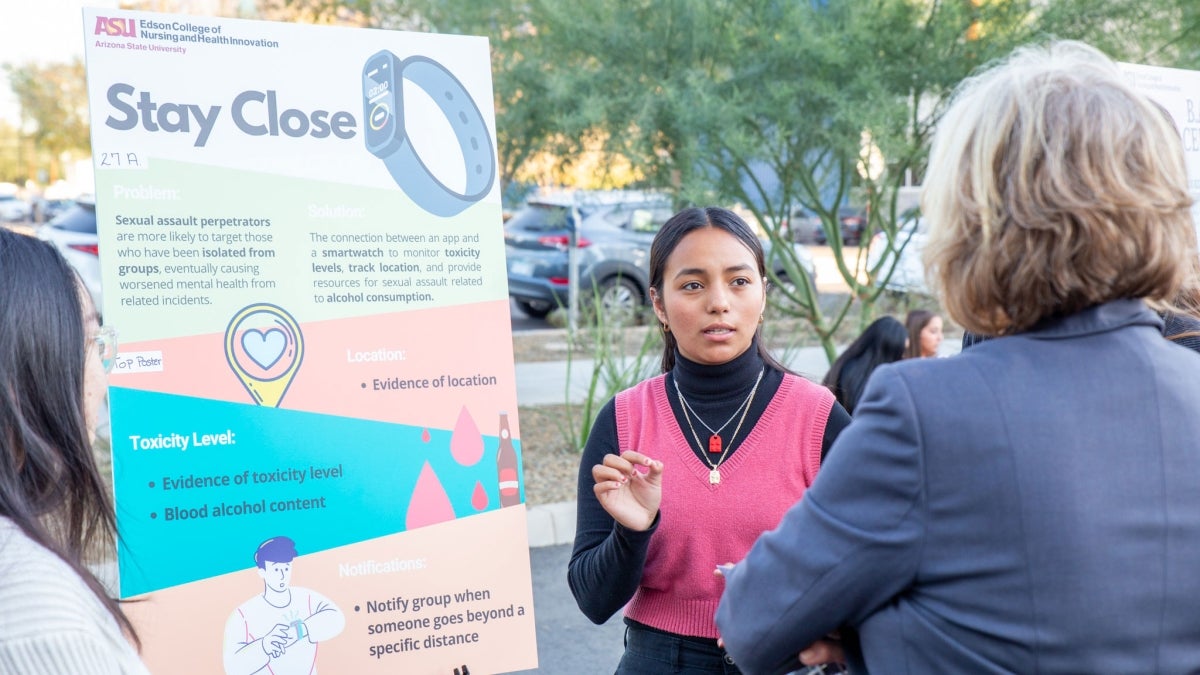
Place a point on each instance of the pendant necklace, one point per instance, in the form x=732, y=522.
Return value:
x=714, y=441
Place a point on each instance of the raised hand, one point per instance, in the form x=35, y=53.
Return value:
x=629, y=487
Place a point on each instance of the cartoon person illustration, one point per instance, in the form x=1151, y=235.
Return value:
x=278, y=630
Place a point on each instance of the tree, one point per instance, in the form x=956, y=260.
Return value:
x=775, y=104
x=53, y=101
x=772, y=104
x=10, y=153
x=321, y=12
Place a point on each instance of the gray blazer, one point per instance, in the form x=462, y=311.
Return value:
x=1031, y=505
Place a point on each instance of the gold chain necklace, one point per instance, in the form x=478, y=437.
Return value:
x=714, y=472
x=714, y=440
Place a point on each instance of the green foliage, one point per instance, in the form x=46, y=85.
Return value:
x=710, y=98
x=614, y=366
x=768, y=103
x=1160, y=32
x=11, y=152
x=53, y=98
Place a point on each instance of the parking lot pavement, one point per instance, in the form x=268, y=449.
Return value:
x=829, y=277
x=567, y=642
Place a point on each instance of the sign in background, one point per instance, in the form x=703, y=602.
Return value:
x=314, y=424
x=1178, y=92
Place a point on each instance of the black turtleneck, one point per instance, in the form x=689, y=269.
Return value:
x=716, y=394
x=607, y=559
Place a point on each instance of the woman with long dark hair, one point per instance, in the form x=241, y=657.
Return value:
x=682, y=471
x=884, y=341
x=55, y=513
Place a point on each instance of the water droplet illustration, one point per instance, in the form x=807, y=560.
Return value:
x=430, y=504
x=424, y=435
x=466, y=443
x=479, y=498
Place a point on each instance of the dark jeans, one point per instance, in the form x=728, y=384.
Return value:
x=649, y=652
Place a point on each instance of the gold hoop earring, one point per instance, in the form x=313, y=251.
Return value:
x=666, y=328
x=760, y=318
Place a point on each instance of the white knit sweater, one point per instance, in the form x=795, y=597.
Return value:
x=50, y=622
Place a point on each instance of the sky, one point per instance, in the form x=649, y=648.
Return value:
x=47, y=31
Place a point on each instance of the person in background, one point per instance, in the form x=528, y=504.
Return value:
x=682, y=471
x=55, y=510
x=924, y=334
x=884, y=341
x=1029, y=505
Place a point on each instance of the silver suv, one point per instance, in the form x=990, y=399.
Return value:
x=613, y=249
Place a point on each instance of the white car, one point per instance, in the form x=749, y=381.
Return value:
x=909, y=273
x=73, y=233
x=13, y=209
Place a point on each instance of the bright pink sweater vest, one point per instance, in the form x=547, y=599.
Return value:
x=703, y=525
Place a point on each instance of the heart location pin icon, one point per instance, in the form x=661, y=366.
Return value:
x=264, y=347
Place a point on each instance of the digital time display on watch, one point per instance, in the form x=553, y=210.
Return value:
x=381, y=104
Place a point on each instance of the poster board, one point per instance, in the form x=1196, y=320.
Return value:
x=316, y=451
x=1178, y=92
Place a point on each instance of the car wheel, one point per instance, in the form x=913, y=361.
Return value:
x=619, y=301
x=535, y=310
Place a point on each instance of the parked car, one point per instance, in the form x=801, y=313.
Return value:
x=45, y=210
x=73, y=233
x=803, y=225
x=851, y=222
x=909, y=273
x=613, y=248
x=13, y=209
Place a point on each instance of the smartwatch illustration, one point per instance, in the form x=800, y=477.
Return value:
x=387, y=139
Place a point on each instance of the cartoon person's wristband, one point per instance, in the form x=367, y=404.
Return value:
x=386, y=136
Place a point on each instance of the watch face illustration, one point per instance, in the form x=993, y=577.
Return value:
x=381, y=103
x=387, y=137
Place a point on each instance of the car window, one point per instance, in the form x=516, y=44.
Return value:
x=641, y=219
x=648, y=221
x=542, y=218
x=78, y=218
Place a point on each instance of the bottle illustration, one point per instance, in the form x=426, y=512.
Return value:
x=506, y=464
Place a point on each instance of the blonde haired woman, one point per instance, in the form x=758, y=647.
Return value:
x=1031, y=504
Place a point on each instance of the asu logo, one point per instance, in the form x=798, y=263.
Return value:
x=116, y=27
